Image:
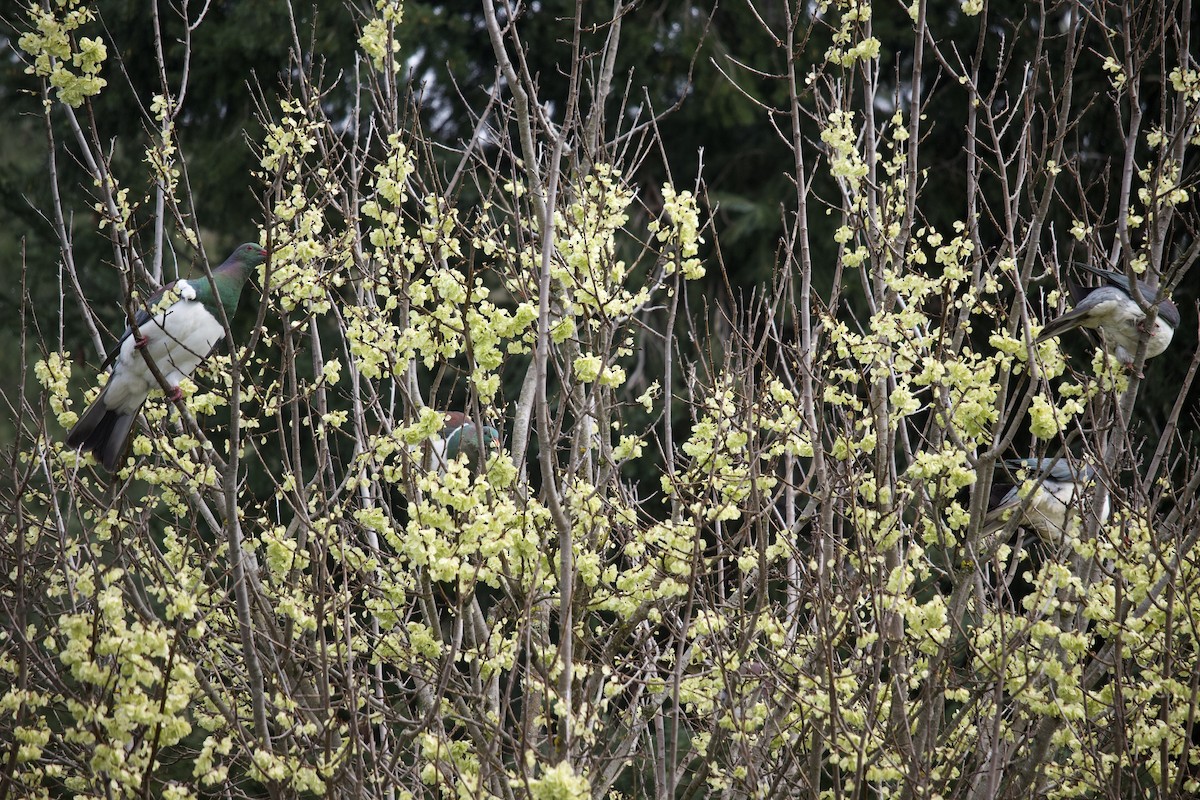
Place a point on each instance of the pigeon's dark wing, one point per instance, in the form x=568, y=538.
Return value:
x=1121, y=280
x=1166, y=308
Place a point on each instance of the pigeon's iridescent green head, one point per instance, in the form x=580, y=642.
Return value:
x=462, y=436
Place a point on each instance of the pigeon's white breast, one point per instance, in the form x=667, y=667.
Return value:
x=1120, y=319
x=178, y=339
x=435, y=448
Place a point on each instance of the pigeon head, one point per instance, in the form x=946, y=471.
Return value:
x=462, y=436
x=1059, y=469
x=231, y=276
x=248, y=254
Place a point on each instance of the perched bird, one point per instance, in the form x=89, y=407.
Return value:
x=1112, y=309
x=177, y=336
x=462, y=436
x=1053, y=507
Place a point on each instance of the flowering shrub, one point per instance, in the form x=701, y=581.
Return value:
x=283, y=591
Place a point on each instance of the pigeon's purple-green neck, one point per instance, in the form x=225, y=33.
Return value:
x=229, y=278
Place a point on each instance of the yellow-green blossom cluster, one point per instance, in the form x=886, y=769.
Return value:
x=54, y=374
x=374, y=341
x=445, y=319
x=134, y=663
x=778, y=416
x=1011, y=646
x=681, y=231
x=926, y=622
x=466, y=529
x=289, y=141
x=378, y=39
x=942, y=475
x=623, y=563
x=849, y=43
x=1162, y=187
x=73, y=68
x=722, y=454
x=116, y=208
x=308, y=262
x=908, y=347
x=451, y=765
x=654, y=564
x=414, y=259
x=1186, y=81
x=288, y=769
x=591, y=278
x=560, y=782
x=395, y=255
x=891, y=212
x=846, y=164
x=436, y=329
x=1047, y=419
x=161, y=154
x=1117, y=72
x=307, y=267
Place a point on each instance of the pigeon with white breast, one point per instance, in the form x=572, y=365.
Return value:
x=179, y=326
x=1053, y=506
x=1112, y=309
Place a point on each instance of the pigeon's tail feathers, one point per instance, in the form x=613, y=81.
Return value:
x=1060, y=325
x=1100, y=272
x=88, y=421
x=104, y=432
x=992, y=526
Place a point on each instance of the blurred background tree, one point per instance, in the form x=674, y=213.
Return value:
x=708, y=64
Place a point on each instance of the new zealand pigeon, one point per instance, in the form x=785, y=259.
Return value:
x=1112, y=310
x=1055, y=505
x=177, y=335
x=462, y=436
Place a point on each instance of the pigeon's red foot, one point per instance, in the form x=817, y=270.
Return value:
x=139, y=342
x=175, y=395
